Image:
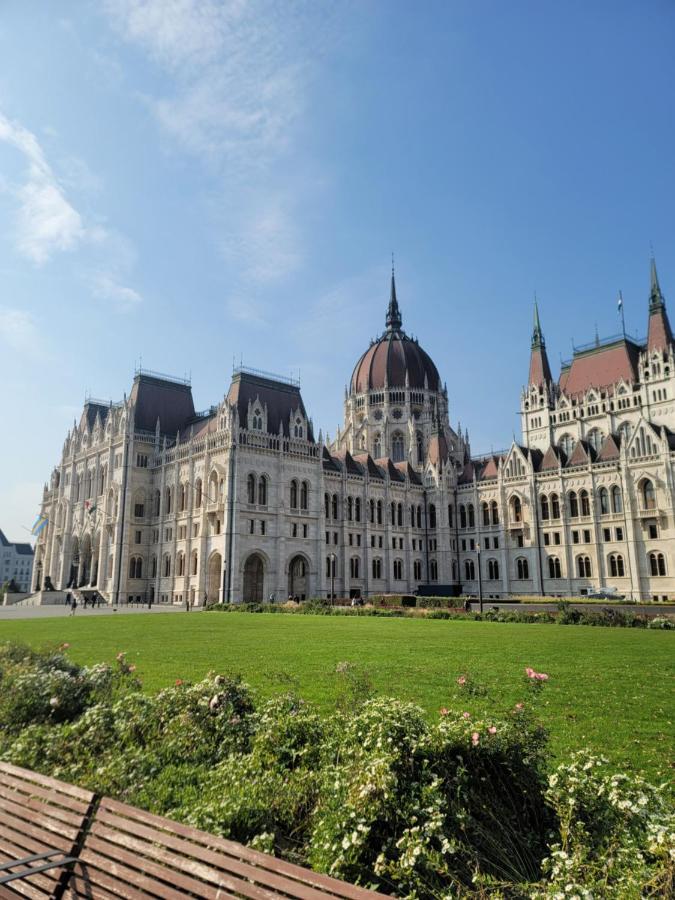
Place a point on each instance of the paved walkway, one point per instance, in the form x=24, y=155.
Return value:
x=59, y=611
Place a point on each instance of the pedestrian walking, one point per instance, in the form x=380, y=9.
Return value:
x=73, y=606
x=187, y=603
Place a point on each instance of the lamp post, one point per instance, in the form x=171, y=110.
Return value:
x=480, y=578
x=332, y=558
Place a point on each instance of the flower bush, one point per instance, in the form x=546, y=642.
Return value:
x=462, y=806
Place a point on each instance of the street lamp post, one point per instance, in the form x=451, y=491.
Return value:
x=480, y=578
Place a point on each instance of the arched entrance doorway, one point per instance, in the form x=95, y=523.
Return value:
x=85, y=562
x=74, y=563
x=213, y=578
x=298, y=578
x=254, y=578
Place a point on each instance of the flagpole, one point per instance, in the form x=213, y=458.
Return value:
x=623, y=321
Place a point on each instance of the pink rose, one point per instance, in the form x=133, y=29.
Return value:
x=541, y=676
x=529, y=672
x=475, y=738
x=461, y=679
x=519, y=706
x=444, y=711
x=492, y=730
x=466, y=715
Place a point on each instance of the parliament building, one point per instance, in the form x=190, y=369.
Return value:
x=154, y=501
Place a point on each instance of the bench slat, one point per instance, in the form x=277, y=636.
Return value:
x=34, y=794
x=238, y=852
x=61, y=787
x=40, y=827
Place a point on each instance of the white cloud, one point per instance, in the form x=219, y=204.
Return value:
x=19, y=330
x=120, y=297
x=244, y=309
x=266, y=246
x=47, y=222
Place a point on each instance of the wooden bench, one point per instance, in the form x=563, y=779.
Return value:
x=134, y=854
x=41, y=828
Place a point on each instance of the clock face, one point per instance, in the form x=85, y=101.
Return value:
x=396, y=414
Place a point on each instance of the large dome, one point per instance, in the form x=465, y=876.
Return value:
x=394, y=360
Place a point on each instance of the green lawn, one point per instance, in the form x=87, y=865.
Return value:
x=609, y=689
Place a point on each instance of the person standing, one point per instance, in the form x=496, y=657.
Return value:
x=73, y=605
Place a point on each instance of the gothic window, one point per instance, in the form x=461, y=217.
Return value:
x=354, y=567
x=493, y=570
x=350, y=508
x=625, y=431
x=516, y=509
x=554, y=567
x=250, y=489
x=330, y=566
x=585, y=503
x=371, y=508
x=486, y=513
x=417, y=570
x=153, y=566
x=419, y=516
x=494, y=510
x=379, y=512
x=393, y=513
x=326, y=505
x=198, y=493
x=462, y=516
x=595, y=439
x=399, y=515
x=433, y=569
x=195, y=563
x=584, y=566
x=451, y=516
x=555, y=506
x=398, y=570
x=294, y=494
x=180, y=564
x=420, y=447
x=657, y=564
x=257, y=420
x=304, y=495
x=566, y=444
x=469, y=570
x=262, y=490
x=298, y=428
x=544, y=506
x=167, y=565
x=377, y=568
x=472, y=516
x=397, y=447
x=432, y=516
x=574, y=505
x=617, y=499
x=135, y=567
x=335, y=506
x=522, y=569
x=603, y=497
x=167, y=501
x=377, y=447
x=357, y=509
x=648, y=494
x=616, y=567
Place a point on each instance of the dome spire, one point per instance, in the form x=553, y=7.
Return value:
x=393, y=320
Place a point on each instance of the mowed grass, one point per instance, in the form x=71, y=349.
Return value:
x=610, y=689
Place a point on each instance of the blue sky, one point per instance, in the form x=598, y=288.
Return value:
x=188, y=182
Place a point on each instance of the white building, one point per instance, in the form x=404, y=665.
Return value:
x=16, y=563
x=153, y=500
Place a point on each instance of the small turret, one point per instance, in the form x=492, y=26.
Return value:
x=660, y=336
x=540, y=371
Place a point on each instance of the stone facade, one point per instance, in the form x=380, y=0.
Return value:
x=16, y=563
x=154, y=501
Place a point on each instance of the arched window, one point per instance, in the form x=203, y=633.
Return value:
x=544, y=506
x=397, y=447
x=451, y=515
x=379, y=512
x=522, y=569
x=585, y=503
x=357, y=509
x=377, y=447
x=335, y=506
x=432, y=516
x=454, y=570
x=419, y=516
x=493, y=570
x=648, y=494
x=566, y=444
x=167, y=501
x=153, y=567
x=617, y=499
x=485, y=510
x=298, y=430
x=194, y=568
x=462, y=516
x=574, y=504
x=469, y=570
x=330, y=566
x=135, y=567
x=377, y=568
x=262, y=490
x=326, y=505
x=180, y=564
x=516, y=509
x=399, y=515
x=657, y=564
x=555, y=506
x=354, y=567
x=494, y=509
x=603, y=498
x=471, y=515
x=398, y=570
x=250, y=489
x=392, y=513
x=433, y=570
x=420, y=447
x=350, y=508
x=554, y=567
x=584, y=566
x=87, y=494
x=198, y=493
x=371, y=511
x=304, y=495
x=183, y=497
x=595, y=439
x=294, y=494
x=616, y=566
x=166, y=568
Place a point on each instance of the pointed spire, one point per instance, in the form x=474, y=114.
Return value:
x=537, y=334
x=540, y=371
x=393, y=320
x=656, y=298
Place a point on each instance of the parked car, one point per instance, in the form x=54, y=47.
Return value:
x=606, y=594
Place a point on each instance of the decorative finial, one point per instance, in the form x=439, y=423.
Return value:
x=393, y=320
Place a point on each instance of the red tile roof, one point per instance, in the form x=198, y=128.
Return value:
x=660, y=336
x=540, y=371
x=601, y=367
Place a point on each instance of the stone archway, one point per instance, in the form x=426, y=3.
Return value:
x=213, y=578
x=298, y=578
x=254, y=579
x=74, y=563
x=85, y=562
